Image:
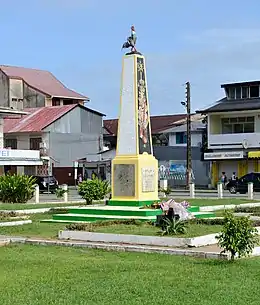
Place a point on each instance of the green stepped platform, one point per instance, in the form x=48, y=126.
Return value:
x=90, y=214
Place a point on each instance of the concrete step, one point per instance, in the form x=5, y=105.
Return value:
x=93, y=217
x=194, y=208
x=203, y=214
x=63, y=221
x=115, y=210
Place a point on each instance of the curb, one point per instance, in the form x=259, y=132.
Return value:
x=228, y=207
x=120, y=248
x=153, y=241
x=15, y=223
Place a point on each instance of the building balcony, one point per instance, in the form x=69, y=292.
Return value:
x=234, y=140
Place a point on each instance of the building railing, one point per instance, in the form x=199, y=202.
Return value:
x=234, y=140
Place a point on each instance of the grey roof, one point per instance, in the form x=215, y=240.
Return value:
x=195, y=126
x=233, y=105
x=250, y=83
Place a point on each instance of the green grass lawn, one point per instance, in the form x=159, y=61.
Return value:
x=22, y=206
x=50, y=230
x=38, y=275
x=210, y=202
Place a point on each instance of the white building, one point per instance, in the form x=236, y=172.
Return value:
x=234, y=131
x=8, y=157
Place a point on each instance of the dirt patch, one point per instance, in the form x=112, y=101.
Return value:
x=4, y=243
x=210, y=248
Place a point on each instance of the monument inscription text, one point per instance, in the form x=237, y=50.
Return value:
x=124, y=180
x=148, y=179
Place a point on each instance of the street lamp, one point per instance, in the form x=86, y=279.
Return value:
x=186, y=104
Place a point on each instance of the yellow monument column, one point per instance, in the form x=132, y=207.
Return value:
x=134, y=169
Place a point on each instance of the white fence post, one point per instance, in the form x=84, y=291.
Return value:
x=220, y=190
x=163, y=186
x=192, y=190
x=250, y=188
x=37, y=194
x=65, y=188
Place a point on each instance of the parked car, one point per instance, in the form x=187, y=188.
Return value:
x=47, y=183
x=241, y=184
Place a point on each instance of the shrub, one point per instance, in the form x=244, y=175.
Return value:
x=153, y=206
x=207, y=221
x=79, y=227
x=135, y=222
x=173, y=227
x=16, y=188
x=102, y=223
x=166, y=191
x=57, y=211
x=95, y=189
x=238, y=236
x=7, y=215
x=253, y=210
x=60, y=192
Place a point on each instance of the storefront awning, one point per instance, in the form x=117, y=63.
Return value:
x=20, y=162
x=254, y=154
x=224, y=155
x=20, y=157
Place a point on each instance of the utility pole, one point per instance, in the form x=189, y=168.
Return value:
x=188, y=157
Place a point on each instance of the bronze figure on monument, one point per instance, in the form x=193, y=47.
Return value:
x=131, y=42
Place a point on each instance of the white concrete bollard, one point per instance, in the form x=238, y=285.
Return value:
x=163, y=186
x=250, y=188
x=192, y=190
x=37, y=194
x=65, y=188
x=220, y=190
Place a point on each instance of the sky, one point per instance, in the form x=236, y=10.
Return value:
x=205, y=42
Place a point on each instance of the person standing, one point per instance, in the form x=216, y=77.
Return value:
x=80, y=179
x=234, y=176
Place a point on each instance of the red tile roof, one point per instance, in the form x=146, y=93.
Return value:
x=159, y=123
x=36, y=120
x=42, y=80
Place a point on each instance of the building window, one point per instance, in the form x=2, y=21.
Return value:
x=254, y=91
x=181, y=138
x=11, y=143
x=68, y=102
x=238, y=93
x=242, y=92
x=238, y=125
x=245, y=91
x=35, y=143
x=55, y=102
x=232, y=93
x=29, y=170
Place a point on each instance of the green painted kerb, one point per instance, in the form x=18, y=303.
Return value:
x=131, y=203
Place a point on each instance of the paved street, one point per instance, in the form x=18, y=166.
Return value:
x=73, y=195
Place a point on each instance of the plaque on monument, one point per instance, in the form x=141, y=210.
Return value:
x=124, y=180
x=148, y=181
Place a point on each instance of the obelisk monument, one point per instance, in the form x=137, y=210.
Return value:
x=134, y=169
